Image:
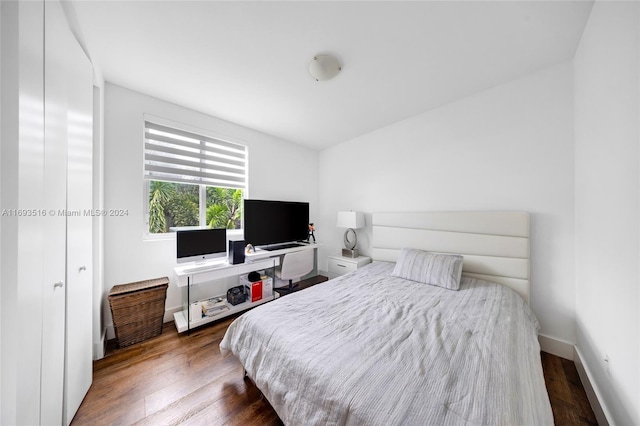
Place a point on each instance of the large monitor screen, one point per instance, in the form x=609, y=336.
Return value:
x=201, y=244
x=274, y=222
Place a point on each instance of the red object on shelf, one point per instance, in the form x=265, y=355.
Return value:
x=256, y=291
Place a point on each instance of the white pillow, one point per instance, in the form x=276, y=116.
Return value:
x=443, y=270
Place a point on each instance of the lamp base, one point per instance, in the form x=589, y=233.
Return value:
x=350, y=253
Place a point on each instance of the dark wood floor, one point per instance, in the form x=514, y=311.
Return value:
x=568, y=399
x=173, y=379
x=182, y=379
x=301, y=285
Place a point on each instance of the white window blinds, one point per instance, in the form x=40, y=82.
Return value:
x=176, y=155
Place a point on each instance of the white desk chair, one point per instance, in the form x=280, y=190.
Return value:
x=294, y=266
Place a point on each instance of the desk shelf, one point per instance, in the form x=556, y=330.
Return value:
x=192, y=275
x=181, y=321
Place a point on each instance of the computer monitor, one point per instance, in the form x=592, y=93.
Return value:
x=268, y=222
x=201, y=244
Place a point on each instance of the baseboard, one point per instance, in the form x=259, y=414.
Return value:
x=593, y=394
x=557, y=347
x=168, y=313
x=570, y=351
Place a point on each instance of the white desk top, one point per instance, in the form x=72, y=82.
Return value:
x=216, y=269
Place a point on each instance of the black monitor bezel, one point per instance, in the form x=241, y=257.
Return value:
x=262, y=229
x=215, y=247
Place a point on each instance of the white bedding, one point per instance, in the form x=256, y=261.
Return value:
x=371, y=349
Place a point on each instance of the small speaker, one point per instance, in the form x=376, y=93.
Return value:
x=236, y=252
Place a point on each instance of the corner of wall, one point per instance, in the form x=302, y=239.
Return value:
x=557, y=347
x=100, y=346
x=99, y=329
x=1, y=399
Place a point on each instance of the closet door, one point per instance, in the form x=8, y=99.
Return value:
x=23, y=270
x=55, y=195
x=41, y=112
x=67, y=312
x=79, y=350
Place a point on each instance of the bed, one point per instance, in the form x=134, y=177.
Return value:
x=375, y=348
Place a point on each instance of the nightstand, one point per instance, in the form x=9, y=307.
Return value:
x=339, y=265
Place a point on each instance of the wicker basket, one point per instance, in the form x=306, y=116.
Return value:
x=138, y=310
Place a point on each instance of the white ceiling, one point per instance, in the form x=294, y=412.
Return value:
x=246, y=62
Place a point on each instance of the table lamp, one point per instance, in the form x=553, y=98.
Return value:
x=352, y=221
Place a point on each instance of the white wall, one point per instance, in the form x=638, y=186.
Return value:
x=607, y=205
x=507, y=148
x=278, y=170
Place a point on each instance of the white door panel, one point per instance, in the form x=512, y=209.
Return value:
x=55, y=182
x=27, y=168
x=79, y=362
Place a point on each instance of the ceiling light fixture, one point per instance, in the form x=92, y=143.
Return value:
x=324, y=67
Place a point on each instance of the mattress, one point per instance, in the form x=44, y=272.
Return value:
x=371, y=349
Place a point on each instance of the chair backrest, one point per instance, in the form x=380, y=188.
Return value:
x=297, y=264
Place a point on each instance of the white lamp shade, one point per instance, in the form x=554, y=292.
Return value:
x=353, y=220
x=324, y=67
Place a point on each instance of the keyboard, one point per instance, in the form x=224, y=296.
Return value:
x=282, y=246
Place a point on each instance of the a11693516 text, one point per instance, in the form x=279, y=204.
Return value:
x=65, y=213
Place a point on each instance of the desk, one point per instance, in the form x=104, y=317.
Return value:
x=193, y=274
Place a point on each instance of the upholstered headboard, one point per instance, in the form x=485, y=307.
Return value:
x=495, y=245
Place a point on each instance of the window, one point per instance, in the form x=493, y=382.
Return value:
x=191, y=179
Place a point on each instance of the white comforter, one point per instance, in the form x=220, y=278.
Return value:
x=371, y=349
